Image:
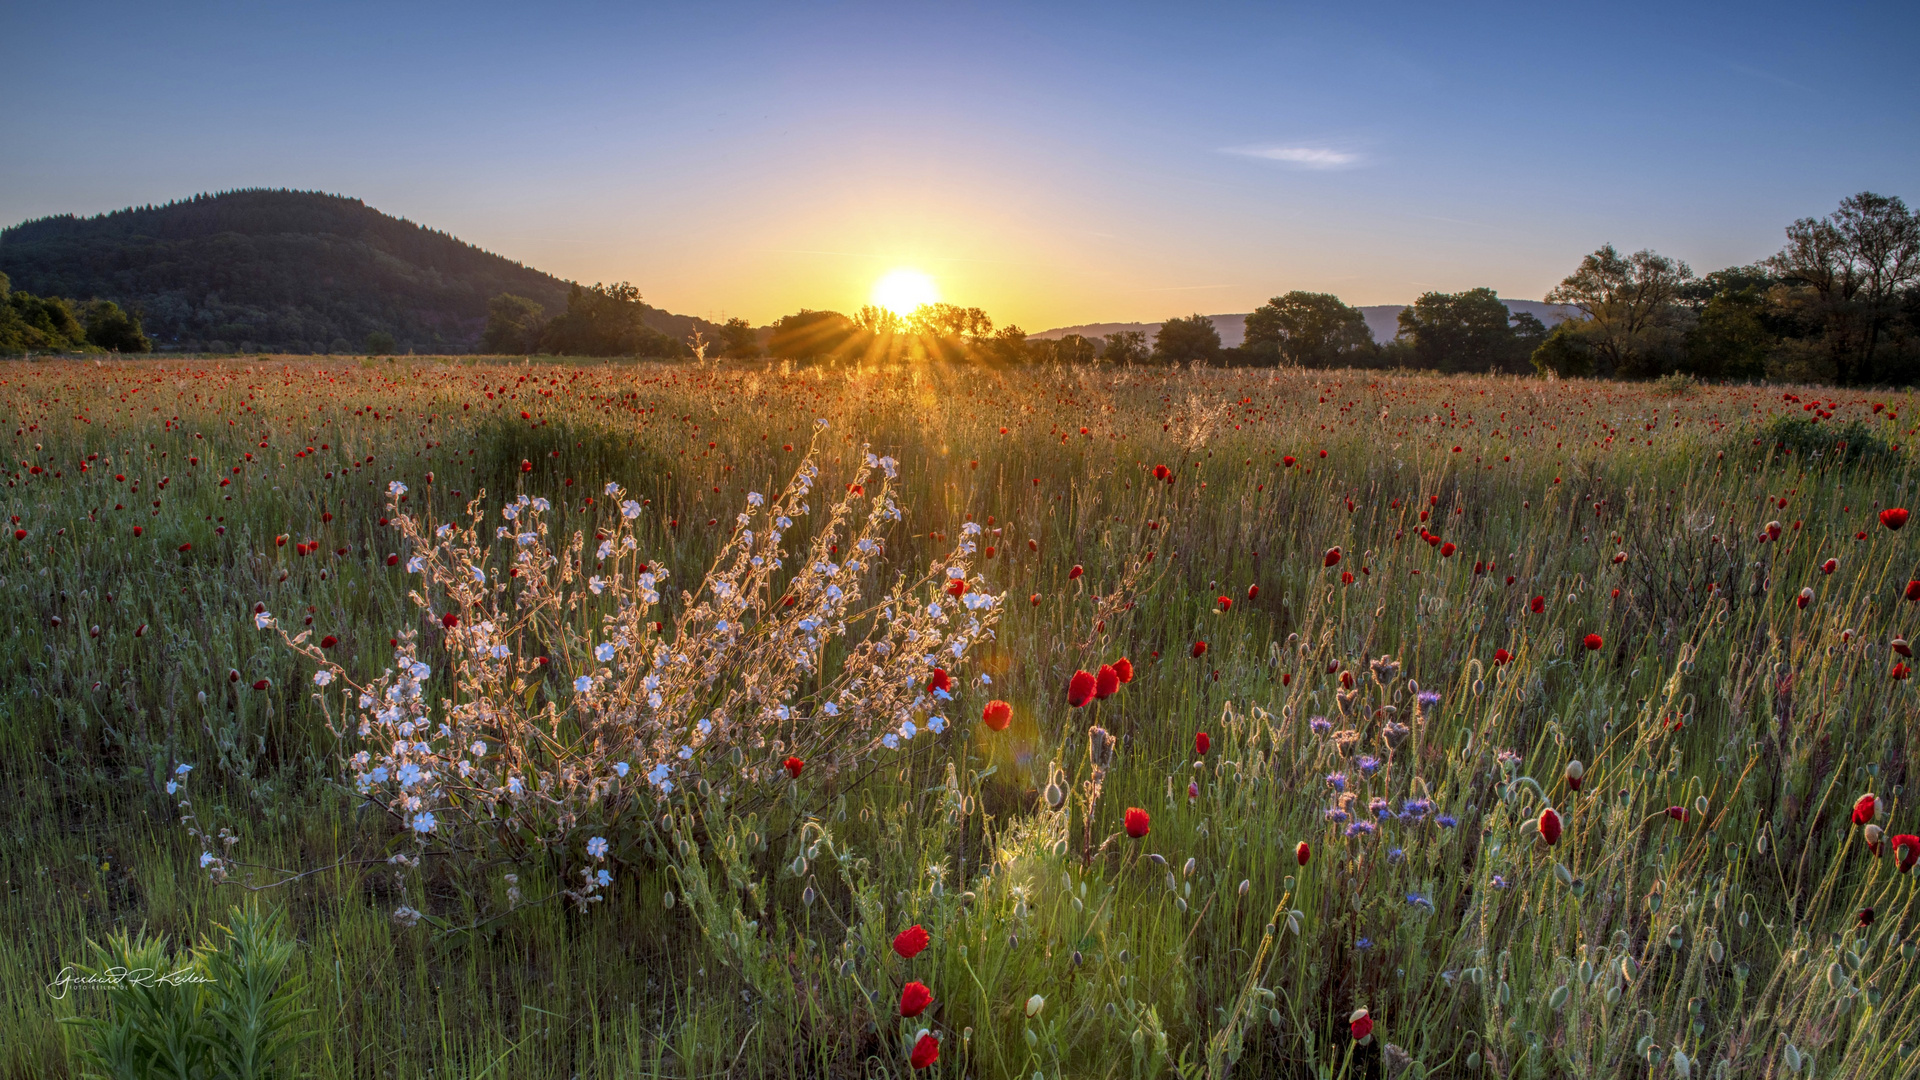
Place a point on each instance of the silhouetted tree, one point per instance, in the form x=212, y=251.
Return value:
x=1469, y=331
x=1125, y=347
x=514, y=325
x=1186, y=340
x=1856, y=263
x=739, y=340
x=1632, y=324
x=1308, y=329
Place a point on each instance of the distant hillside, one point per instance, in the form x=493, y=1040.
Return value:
x=1382, y=320
x=290, y=271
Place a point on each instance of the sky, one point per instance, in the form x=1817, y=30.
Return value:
x=1051, y=163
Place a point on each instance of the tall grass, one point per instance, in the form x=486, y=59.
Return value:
x=1730, y=943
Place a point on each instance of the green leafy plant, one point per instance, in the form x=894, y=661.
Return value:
x=229, y=1009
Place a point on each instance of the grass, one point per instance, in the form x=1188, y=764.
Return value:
x=1205, y=948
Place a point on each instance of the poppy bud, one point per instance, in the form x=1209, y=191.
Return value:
x=1805, y=598
x=1575, y=773
x=996, y=715
x=1332, y=557
x=1550, y=826
x=1830, y=566
x=450, y=620
x=1301, y=852
x=1864, y=809
x=1034, y=599
x=1538, y=605
x=1253, y=591
x=926, y=1051
x=1871, y=834
x=1677, y=813
x=1906, y=852
x=1361, y=1025
x=1912, y=593
x=1199, y=649
x=1075, y=572
x=1900, y=646
x=1201, y=744
x=260, y=684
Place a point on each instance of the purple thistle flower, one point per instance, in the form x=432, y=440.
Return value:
x=1360, y=828
x=1336, y=815
x=1319, y=725
x=1368, y=763
x=1337, y=781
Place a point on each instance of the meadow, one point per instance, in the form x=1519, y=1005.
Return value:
x=1468, y=726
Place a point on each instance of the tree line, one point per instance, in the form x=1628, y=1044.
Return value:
x=1839, y=303
x=52, y=324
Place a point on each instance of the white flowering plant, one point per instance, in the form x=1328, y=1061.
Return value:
x=555, y=700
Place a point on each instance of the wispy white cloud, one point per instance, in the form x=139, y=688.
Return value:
x=1305, y=157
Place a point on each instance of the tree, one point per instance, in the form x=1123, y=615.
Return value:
x=810, y=335
x=380, y=342
x=1008, y=345
x=1469, y=331
x=739, y=340
x=1074, y=349
x=607, y=320
x=1125, y=347
x=1308, y=329
x=1730, y=340
x=114, y=329
x=514, y=324
x=1629, y=305
x=1857, y=263
x=1186, y=340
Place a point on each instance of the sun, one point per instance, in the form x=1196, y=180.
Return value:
x=903, y=290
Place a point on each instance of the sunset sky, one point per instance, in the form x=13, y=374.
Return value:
x=1053, y=164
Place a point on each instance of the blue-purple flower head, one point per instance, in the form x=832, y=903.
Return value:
x=1395, y=855
x=1446, y=821
x=1336, y=815
x=1381, y=809
x=1368, y=764
x=1337, y=781
x=1429, y=702
x=1414, y=809
x=1319, y=725
x=1360, y=828
x=1419, y=900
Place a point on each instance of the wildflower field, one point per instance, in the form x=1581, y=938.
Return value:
x=612, y=719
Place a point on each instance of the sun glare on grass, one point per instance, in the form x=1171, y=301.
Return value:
x=902, y=291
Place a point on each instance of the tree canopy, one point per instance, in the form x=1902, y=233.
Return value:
x=1307, y=329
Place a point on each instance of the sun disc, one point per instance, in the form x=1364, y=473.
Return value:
x=904, y=290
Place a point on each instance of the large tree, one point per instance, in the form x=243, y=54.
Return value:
x=1124, y=347
x=1468, y=331
x=514, y=324
x=1857, y=263
x=739, y=340
x=1632, y=323
x=810, y=335
x=607, y=320
x=1308, y=329
x=1186, y=340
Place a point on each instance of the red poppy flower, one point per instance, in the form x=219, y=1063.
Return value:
x=1075, y=572
x=914, y=998
x=1865, y=807
x=1446, y=550
x=1865, y=917
x=1034, y=599
x=1080, y=688
x=1899, y=672
x=1906, y=852
x=1550, y=826
x=19, y=534
x=1202, y=743
x=1677, y=813
x=1106, y=682
x=1830, y=566
x=1301, y=853
x=1161, y=472
x=1123, y=667
x=1360, y=1024
x=393, y=560
x=958, y=586
x=450, y=620
x=926, y=1051
x=329, y=641
x=1199, y=649
x=1593, y=642
x=1137, y=822
x=1500, y=657
x=1538, y=605
x=1225, y=602
x=940, y=681
x=1893, y=518
x=1253, y=592
x=1332, y=557
x=261, y=684
x=1900, y=646
x=1287, y=461
x=996, y=715
x=908, y=943
x=793, y=765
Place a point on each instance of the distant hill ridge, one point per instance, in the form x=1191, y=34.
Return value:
x=295, y=271
x=1382, y=319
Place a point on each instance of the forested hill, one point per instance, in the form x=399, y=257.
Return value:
x=290, y=271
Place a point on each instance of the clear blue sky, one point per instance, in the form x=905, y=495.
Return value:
x=1052, y=163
